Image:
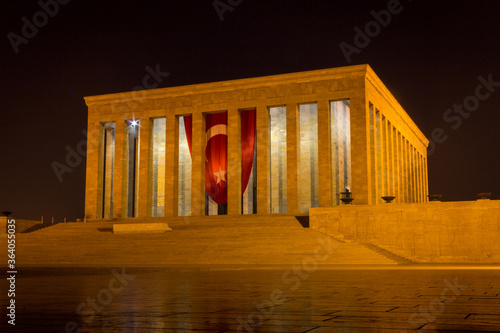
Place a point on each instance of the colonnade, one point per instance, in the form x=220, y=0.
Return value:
x=399, y=170
x=335, y=129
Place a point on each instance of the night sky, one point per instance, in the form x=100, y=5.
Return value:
x=430, y=55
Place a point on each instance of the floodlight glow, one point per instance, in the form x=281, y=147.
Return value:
x=134, y=123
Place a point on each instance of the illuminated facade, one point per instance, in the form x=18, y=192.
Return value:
x=274, y=144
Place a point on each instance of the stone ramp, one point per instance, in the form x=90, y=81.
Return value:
x=194, y=241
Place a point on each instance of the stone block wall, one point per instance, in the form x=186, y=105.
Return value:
x=433, y=232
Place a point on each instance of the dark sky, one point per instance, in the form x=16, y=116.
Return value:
x=430, y=56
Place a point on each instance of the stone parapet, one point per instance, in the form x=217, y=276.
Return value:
x=433, y=232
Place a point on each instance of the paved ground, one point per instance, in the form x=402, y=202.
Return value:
x=250, y=274
x=441, y=299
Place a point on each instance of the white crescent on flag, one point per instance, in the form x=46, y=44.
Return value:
x=216, y=130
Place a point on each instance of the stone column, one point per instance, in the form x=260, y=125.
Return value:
x=372, y=130
x=324, y=155
x=420, y=183
x=198, y=166
x=360, y=130
x=413, y=174
x=292, y=151
x=385, y=154
x=404, y=166
x=426, y=179
x=359, y=149
x=233, y=162
x=417, y=171
x=397, y=167
x=380, y=156
x=422, y=186
x=407, y=171
x=92, y=183
x=392, y=166
x=424, y=194
x=119, y=196
x=401, y=168
x=417, y=175
x=171, y=164
x=145, y=172
x=410, y=173
x=262, y=142
x=418, y=179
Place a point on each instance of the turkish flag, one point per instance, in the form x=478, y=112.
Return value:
x=247, y=146
x=216, y=157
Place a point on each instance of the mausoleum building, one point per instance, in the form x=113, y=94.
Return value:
x=264, y=145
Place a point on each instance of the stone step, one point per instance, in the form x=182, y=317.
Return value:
x=256, y=240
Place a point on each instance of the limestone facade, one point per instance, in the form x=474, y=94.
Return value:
x=378, y=150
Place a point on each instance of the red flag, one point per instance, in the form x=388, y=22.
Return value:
x=247, y=146
x=216, y=157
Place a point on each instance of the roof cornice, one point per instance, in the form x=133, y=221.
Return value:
x=223, y=86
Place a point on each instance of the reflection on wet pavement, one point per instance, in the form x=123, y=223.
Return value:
x=293, y=300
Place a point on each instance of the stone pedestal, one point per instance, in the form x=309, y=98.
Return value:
x=141, y=228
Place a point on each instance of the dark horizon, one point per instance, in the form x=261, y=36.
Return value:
x=431, y=56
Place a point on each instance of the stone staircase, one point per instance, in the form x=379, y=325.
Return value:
x=211, y=242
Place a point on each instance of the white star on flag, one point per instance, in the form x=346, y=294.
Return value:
x=221, y=175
